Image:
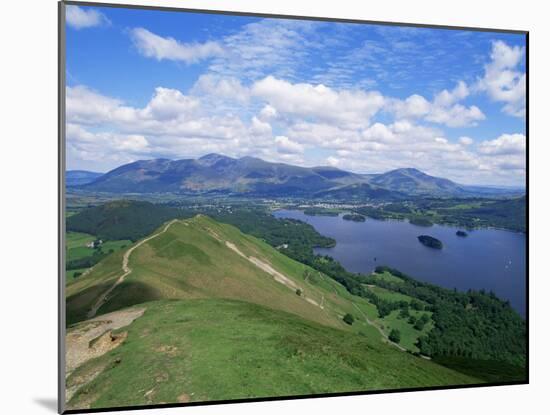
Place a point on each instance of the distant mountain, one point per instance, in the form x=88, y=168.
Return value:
x=250, y=176
x=79, y=177
x=215, y=173
x=415, y=182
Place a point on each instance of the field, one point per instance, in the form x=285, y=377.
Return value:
x=76, y=249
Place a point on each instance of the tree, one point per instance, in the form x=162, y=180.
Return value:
x=395, y=336
x=298, y=292
x=419, y=325
x=349, y=319
x=412, y=319
x=404, y=313
x=421, y=322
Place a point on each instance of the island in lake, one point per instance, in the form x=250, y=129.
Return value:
x=421, y=222
x=430, y=241
x=461, y=233
x=354, y=217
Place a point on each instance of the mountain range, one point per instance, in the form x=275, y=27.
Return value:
x=250, y=176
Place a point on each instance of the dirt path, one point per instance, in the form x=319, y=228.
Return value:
x=371, y=323
x=94, y=338
x=125, y=269
x=264, y=266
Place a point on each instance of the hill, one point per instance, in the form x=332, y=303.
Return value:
x=414, y=182
x=121, y=219
x=250, y=176
x=219, y=349
x=183, y=261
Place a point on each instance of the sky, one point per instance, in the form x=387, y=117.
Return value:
x=367, y=98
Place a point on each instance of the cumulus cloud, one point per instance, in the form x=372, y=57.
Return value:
x=285, y=145
x=84, y=17
x=506, y=144
x=104, y=147
x=465, y=141
x=352, y=108
x=268, y=113
x=443, y=109
x=503, y=81
x=154, y=46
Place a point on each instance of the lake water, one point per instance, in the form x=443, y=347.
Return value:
x=487, y=258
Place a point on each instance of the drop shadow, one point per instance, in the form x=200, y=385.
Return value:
x=48, y=403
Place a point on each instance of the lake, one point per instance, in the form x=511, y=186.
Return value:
x=491, y=259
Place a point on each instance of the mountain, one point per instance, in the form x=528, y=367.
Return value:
x=217, y=173
x=414, y=182
x=199, y=311
x=251, y=176
x=80, y=177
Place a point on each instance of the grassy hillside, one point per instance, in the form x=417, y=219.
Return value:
x=192, y=259
x=213, y=349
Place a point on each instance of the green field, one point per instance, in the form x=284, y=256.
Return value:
x=389, y=295
x=214, y=349
x=388, y=277
x=77, y=249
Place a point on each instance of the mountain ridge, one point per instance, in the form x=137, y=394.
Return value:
x=215, y=173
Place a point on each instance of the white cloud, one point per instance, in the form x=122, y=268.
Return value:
x=81, y=18
x=447, y=98
x=169, y=104
x=415, y=106
x=104, y=147
x=268, y=113
x=444, y=109
x=465, y=141
x=502, y=81
x=506, y=144
x=221, y=87
x=456, y=115
x=259, y=127
x=154, y=46
x=285, y=145
x=351, y=108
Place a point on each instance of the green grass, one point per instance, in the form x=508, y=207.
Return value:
x=387, y=276
x=189, y=262
x=389, y=295
x=213, y=349
x=75, y=240
x=77, y=249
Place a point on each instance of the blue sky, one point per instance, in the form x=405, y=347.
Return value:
x=368, y=98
